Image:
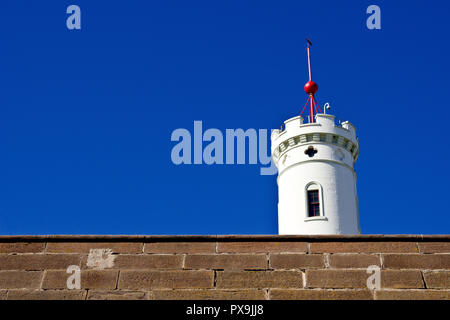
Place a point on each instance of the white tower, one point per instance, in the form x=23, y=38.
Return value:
x=316, y=177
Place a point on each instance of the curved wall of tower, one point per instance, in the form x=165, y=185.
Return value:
x=316, y=157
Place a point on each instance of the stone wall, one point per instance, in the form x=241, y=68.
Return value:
x=225, y=267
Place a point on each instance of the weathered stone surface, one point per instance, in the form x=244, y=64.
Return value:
x=146, y=280
x=226, y=261
x=38, y=261
x=416, y=261
x=46, y=294
x=90, y=279
x=437, y=279
x=225, y=267
x=326, y=278
x=21, y=247
x=99, y=259
x=296, y=261
x=320, y=294
x=351, y=278
x=85, y=247
x=208, y=294
x=412, y=294
x=117, y=295
x=20, y=279
x=156, y=261
x=350, y=260
x=434, y=247
x=364, y=247
x=398, y=279
x=259, y=279
x=261, y=247
x=180, y=247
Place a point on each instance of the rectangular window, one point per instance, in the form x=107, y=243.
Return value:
x=313, y=203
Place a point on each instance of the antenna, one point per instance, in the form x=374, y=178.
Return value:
x=310, y=88
x=309, y=58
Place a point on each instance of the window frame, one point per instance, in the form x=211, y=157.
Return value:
x=314, y=203
x=311, y=186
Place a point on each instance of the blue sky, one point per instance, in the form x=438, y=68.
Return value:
x=86, y=115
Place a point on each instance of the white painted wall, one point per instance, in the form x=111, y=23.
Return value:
x=331, y=168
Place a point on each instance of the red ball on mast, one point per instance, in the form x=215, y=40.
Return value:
x=311, y=87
